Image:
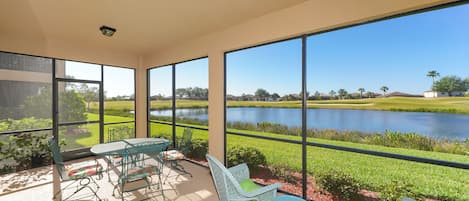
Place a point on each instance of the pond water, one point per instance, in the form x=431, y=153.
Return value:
x=440, y=125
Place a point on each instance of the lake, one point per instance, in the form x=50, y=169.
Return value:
x=440, y=125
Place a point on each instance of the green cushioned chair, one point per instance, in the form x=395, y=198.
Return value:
x=233, y=184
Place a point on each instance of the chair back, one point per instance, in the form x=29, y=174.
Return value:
x=186, y=141
x=225, y=184
x=57, y=157
x=134, y=155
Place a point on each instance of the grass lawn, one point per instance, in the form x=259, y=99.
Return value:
x=447, y=104
x=76, y=141
x=371, y=171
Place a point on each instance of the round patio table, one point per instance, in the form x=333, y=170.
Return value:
x=118, y=147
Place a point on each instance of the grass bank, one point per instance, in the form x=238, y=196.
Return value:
x=371, y=171
x=458, y=105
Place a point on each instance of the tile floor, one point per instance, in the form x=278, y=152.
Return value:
x=38, y=185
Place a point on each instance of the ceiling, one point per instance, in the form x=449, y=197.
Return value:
x=142, y=26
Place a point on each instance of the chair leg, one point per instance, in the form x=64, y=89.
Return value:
x=108, y=169
x=60, y=191
x=82, y=186
x=161, y=186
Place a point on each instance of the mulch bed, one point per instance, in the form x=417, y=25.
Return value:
x=264, y=176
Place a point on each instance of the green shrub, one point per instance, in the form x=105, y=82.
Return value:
x=198, y=149
x=396, y=191
x=163, y=135
x=253, y=157
x=342, y=186
x=283, y=171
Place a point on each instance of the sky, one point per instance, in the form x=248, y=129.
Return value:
x=396, y=53
x=192, y=73
x=117, y=81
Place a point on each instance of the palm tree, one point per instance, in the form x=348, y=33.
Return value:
x=332, y=94
x=361, y=90
x=384, y=89
x=433, y=74
x=342, y=93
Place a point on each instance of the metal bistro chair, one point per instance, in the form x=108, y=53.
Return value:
x=80, y=173
x=116, y=133
x=175, y=155
x=233, y=184
x=137, y=170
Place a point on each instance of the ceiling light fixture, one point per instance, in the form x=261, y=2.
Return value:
x=107, y=31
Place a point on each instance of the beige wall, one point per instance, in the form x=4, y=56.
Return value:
x=309, y=17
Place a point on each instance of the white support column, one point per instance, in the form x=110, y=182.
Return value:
x=216, y=101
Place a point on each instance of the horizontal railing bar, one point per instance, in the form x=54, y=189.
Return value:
x=118, y=122
x=24, y=131
x=265, y=137
x=161, y=122
x=180, y=125
x=78, y=123
x=193, y=127
x=77, y=80
x=362, y=151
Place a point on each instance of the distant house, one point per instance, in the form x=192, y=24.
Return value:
x=436, y=94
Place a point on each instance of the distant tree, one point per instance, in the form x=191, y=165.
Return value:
x=466, y=83
x=369, y=94
x=181, y=92
x=301, y=94
x=317, y=95
x=275, y=96
x=342, y=93
x=90, y=94
x=332, y=94
x=290, y=97
x=384, y=89
x=192, y=93
x=158, y=96
x=433, y=74
x=261, y=93
x=450, y=84
x=361, y=90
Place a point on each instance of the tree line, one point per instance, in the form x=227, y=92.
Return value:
x=263, y=95
x=192, y=93
x=449, y=84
